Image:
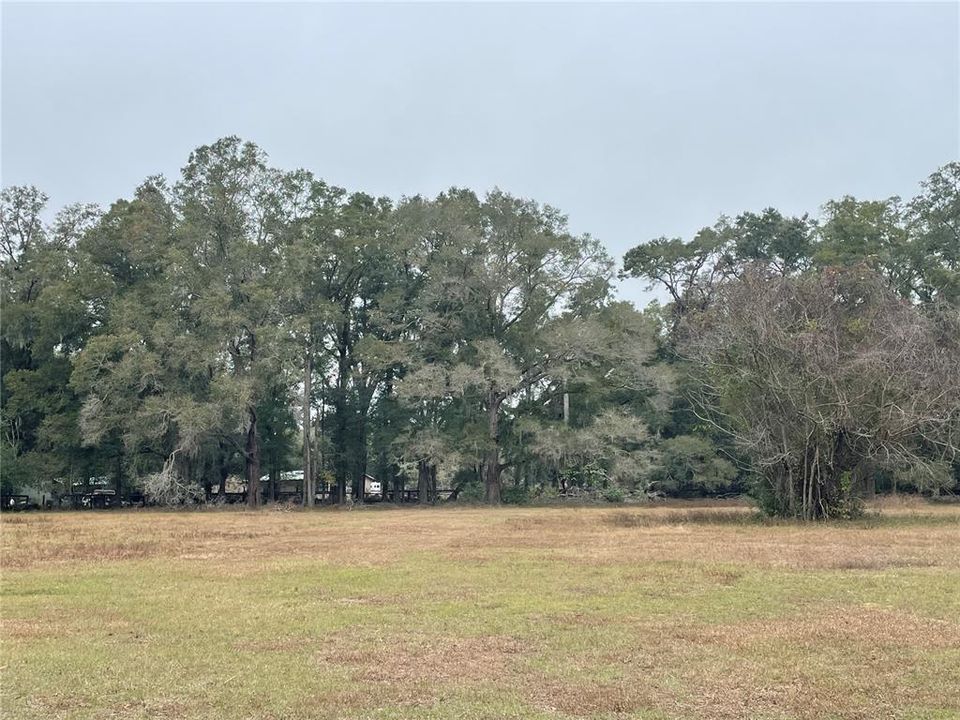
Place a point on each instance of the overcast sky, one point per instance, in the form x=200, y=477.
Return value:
x=637, y=120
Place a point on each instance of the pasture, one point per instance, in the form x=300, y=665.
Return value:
x=679, y=611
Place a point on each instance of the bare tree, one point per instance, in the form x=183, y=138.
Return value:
x=824, y=378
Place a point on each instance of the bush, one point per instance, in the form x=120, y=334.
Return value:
x=545, y=493
x=515, y=495
x=472, y=492
x=587, y=475
x=767, y=501
x=613, y=495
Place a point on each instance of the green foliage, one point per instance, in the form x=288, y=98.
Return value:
x=587, y=475
x=613, y=495
x=515, y=495
x=846, y=505
x=471, y=492
x=690, y=464
x=245, y=319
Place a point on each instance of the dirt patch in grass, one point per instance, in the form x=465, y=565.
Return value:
x=841, y=627
x=59, y=705
x=153, y=708
x=363, y=701
x=28, y=628
x=580, y=699
x=734, y=696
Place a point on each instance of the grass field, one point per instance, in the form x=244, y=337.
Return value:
x=665, y=612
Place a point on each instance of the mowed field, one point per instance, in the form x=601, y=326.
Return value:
x=681, y=611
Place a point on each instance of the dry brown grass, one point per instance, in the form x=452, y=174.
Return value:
x=677, y=611
x=907, y=533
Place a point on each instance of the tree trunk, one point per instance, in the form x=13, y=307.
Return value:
x=423, y=482
x=308, y=489
x=342, y=427
x=362, y=429
x=397, y=488
x=274, y=483
x=253, y=460
x=321, y=436
x=224, y=473
x=184, y=470
x=491, y=477
x=360, y=458
x=491, y=470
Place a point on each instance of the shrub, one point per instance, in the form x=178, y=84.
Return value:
x=472, y=492
x=515, y=495
x=613, y=494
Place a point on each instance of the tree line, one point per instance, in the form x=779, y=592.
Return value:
x=249, y=320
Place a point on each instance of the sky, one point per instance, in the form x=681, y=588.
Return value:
x=636, y=120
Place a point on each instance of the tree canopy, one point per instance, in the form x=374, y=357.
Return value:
x=243, y=320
